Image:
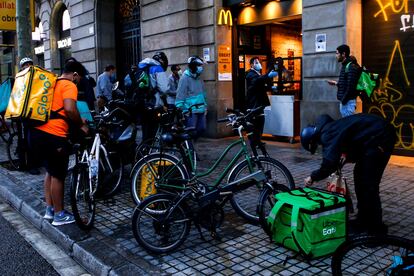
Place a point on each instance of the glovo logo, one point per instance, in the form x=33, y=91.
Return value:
x=44, y=99
x=226, y=17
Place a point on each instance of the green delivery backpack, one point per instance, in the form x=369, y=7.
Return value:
x=367, y=81
x=309, y=221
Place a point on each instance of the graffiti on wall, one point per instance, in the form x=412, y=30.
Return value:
x=388, y=100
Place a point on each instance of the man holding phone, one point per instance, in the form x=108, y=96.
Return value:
x=348, y=79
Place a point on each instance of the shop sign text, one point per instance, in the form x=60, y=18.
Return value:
x=39, y=50
x=8, y=14
x=64, y=43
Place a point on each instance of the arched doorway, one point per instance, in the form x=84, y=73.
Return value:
x=128, y=30
x=60, y=40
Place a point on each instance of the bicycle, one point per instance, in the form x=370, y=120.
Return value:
x=177, y=174
x=374, y=255
x=167, y=119
x=98, y=170
x=156, y=217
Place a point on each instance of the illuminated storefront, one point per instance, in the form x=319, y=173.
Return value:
x=270, y=30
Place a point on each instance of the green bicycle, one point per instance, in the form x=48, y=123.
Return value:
x=167, y=173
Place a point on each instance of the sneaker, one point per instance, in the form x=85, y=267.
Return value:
x=49, y=213
x=63, y=217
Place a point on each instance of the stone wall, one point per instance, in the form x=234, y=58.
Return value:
x=182, y=29
x=341, y=22
x=83, y=29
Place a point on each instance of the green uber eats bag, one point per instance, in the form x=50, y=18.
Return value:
x=309, y=221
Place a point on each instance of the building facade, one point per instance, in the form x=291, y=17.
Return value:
x=227, y=33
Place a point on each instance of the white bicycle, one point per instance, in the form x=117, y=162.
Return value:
x=98, y=170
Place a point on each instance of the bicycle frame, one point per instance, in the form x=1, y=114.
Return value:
x=94, y=154
x=186, y=160
x=215, y=194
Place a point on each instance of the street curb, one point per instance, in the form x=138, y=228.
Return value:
x=89, y=249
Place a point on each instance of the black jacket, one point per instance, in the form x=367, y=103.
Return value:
x=256, y=89
x=348, y=81
x=85, y=91
x=356, y=136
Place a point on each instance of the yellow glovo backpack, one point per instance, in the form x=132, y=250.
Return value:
x=32, y=95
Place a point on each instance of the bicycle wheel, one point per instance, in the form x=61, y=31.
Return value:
x=266, y=202
x=83, y=205
x=13, y=151
x=161, y=169
x=245, y=202
x=110, y=174
x=374, y=255
x=146, y=147
x=155, y=233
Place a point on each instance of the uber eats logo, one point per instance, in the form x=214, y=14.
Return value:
x=329, y=228
x=44, y=99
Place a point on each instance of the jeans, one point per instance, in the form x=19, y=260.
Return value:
x=348, y=108
x=197, y=120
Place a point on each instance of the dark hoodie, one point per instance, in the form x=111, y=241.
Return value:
x=356, y=136
x=348, y=79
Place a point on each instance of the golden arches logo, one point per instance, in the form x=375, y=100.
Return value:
x=225, y=16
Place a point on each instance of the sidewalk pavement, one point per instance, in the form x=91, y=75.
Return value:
x=110, y=248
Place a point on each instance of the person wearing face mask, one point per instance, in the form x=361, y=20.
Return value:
x=257, y=87
x=50, y=142
x=173, y=84
x=191, y=91
x=104, y=86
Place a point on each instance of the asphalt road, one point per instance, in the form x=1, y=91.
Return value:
x=17, y=256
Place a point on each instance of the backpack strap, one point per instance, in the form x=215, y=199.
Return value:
x=347, y=66
x=54, y=114
x=294, y=228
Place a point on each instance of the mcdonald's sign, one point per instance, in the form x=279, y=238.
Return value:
x=225, y=18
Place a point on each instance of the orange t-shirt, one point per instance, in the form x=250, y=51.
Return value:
x=64, y=89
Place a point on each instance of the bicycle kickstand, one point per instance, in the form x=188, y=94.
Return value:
x=199, y=231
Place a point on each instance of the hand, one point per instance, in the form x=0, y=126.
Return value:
x=308, y=181
x=272, y=74
x=101, y=103
x=85, y=128
x=332, y=82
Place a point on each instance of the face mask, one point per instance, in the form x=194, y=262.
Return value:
x=180, y=73
x=257, y=66
x=199, y=70
x=75, y=80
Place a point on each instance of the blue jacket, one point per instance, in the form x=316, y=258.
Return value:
x=191, y=91
x=158, y=79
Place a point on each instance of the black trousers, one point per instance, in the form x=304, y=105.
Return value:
x=149, y=123
x=258, y=122
x=368, y=172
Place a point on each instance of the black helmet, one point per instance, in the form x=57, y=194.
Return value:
x=162, y=59
x=310, y=135
x=308, y=138
x=193, y=62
